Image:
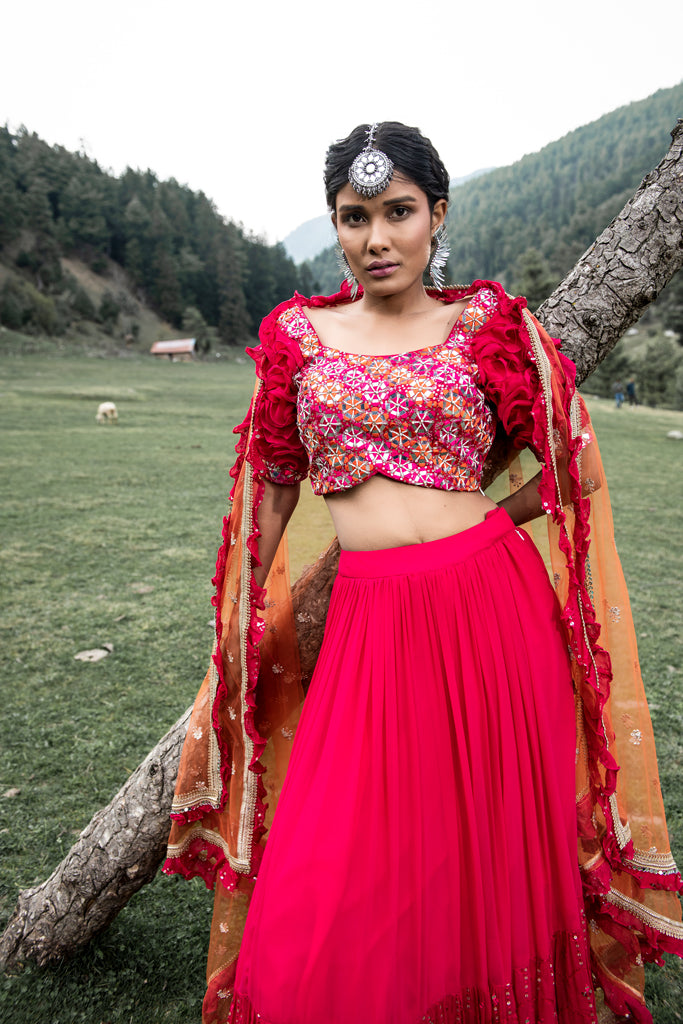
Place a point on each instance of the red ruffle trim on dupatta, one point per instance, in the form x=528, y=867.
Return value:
x=202, y=857
x=269, y=427
x=513, y=381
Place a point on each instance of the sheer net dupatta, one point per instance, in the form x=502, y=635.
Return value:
x=243, y=722
x=629, y=877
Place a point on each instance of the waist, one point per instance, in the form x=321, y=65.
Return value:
x=385, y=513
x=433, y=554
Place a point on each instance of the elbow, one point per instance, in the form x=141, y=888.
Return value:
x=281, y=498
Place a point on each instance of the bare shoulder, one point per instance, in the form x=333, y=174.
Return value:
x=331, y=314
x=446, y=314
x=331, y=323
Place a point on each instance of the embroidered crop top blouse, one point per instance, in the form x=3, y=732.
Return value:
x=420, y=417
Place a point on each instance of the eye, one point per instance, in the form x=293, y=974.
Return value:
x=401, y=212
x=353, y=217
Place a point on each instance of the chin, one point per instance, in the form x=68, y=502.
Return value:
x=385, y=285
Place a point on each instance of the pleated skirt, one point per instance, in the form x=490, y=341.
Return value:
x=421, y=865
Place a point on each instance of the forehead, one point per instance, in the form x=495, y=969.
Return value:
x=400, y=187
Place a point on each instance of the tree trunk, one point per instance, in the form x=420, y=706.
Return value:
x=122, y=847
x=118, y=852
x=625, y=268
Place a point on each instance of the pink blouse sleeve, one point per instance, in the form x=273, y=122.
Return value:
x=276, y=450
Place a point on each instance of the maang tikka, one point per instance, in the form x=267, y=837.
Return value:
x=439, y=258
x=369, y=174
x=371, y=171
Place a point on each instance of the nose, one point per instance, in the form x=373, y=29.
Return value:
x=377, y=237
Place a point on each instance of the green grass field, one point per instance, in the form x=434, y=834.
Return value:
x=109, y=535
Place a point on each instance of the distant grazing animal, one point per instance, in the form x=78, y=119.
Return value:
x=106, y=413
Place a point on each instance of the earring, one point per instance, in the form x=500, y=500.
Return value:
x=344, y=267
x=439, y=258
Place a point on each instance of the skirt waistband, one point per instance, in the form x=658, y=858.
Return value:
x=433, y=554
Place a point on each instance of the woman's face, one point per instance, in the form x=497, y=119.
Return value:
x=387, y=239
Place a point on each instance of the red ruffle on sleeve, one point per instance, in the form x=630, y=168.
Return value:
x=507, y=374
x=276, y=450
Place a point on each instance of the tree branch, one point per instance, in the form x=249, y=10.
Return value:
x=625, y=268
x=117, y=853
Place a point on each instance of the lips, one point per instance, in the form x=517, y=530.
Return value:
x=381, y=268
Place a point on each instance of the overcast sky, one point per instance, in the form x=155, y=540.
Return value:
x=241, y=100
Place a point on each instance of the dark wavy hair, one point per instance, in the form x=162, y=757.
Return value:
x=413, y=155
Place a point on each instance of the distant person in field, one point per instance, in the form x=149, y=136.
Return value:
x=463, y=733
x=618, y=389
x=631, y=391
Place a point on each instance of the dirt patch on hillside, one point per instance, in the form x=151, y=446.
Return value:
x=150, y=327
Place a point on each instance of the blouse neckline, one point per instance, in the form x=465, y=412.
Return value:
x=391, y=355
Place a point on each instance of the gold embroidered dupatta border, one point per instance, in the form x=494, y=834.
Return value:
x=250, y=697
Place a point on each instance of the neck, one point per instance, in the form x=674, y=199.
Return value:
x=405, y=303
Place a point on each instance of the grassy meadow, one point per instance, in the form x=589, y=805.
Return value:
x=109, y=536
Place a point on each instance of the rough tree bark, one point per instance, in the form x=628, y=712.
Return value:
x=122, y=847
x=114, y=856
x=625, y=268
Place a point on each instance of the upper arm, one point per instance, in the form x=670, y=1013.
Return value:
x=275, y=446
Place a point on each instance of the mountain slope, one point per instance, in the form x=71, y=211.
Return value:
x=557, y=200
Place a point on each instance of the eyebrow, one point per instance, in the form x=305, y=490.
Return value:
x=387, y=202
x=401, y=199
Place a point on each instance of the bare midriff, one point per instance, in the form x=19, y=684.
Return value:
x=384, y=513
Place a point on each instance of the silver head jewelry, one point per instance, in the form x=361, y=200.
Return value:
x=371, y=171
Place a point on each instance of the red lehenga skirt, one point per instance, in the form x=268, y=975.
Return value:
x=422, y=862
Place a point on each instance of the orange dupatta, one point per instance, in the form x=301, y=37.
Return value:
x=630, y=879
x=251, y=694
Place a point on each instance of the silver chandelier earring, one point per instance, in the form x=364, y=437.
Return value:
x=344, y=267
x=439, y=259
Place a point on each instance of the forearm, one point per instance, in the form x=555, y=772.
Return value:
x=274, y=513
x=525, y=504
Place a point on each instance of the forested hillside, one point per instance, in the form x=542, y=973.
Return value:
x=555, y=202
x=157, y=243
x=526, y=225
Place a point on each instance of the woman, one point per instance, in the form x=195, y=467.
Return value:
x=461, y=719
